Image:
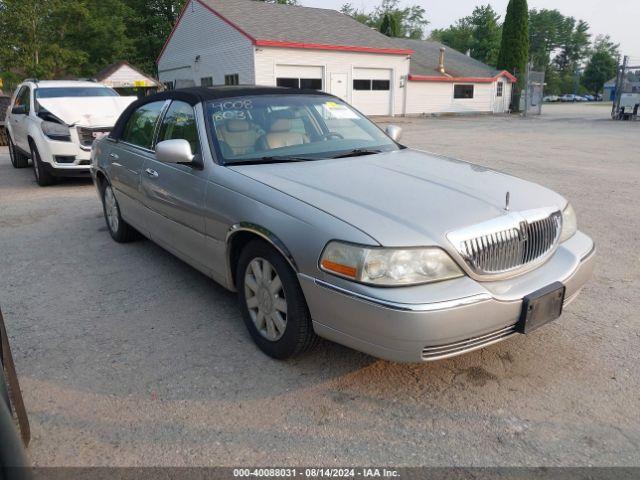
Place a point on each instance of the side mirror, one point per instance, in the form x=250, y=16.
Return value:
x=174, y=151
x=19, y=110
x=394, y=132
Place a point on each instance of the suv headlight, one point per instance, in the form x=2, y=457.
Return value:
x=388, y=267
x=56, y=131
x=569, y=223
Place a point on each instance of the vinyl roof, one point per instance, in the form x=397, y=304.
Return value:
x=267, y=23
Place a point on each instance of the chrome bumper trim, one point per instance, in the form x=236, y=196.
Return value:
x=404, y=307
x=441, y=352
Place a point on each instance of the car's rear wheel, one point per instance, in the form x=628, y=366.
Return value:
x=43, y=177
x=273, y=305
x=120, y=230
x=18, y=159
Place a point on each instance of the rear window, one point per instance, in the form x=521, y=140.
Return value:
x=66, y=92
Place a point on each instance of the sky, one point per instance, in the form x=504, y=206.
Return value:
x=617, y=18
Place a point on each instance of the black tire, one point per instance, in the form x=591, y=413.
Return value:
x=298, y=335
x=120, y=230
x=18, y=159
x=43, y=177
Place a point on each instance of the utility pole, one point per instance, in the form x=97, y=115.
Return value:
x=622, y=71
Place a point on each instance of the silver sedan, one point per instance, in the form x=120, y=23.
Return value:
x=326, y=226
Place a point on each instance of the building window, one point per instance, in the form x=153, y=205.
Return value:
x=311, y=83
x=381, y=85
x=377, y=85
x=232, y=79
x=500, y=88
x=463, y=91
x=308, y=83
x=206, y=81
x=362, y=84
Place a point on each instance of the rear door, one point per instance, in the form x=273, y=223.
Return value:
x=127, y=156
x=174, y=194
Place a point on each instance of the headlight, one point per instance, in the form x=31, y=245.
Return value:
x=56, y=131
x=390, y=267
x=569, y=223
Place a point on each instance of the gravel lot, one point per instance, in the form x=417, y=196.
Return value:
x=129, y=357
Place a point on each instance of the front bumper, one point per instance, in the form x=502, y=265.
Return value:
x=382, y=324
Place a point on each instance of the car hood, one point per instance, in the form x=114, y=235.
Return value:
x=87, y=111
x=404, y=198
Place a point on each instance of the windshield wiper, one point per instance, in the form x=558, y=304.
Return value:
x=357, y=152
x=272, y=159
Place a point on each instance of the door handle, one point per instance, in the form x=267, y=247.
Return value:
x=114, y=156
x=151, y=173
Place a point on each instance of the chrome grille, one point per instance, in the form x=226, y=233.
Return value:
x=509, y=243
x=88, y=135
x=440, y=352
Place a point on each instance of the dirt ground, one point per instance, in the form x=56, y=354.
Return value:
x=127, y=356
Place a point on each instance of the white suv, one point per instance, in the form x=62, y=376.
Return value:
x=55, y=123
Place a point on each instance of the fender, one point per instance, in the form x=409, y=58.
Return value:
x=261, y=232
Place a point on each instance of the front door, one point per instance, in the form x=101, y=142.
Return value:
x=339, y=83
x=174, y=194
x=18, y=121
x=127, y=156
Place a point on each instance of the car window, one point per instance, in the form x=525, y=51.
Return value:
x=256, y=128
x=66, y=92
x=141, y=125
x=180, y=123
x=24, y=98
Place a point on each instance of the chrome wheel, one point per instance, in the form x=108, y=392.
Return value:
x=265, y=299
x=111, y=210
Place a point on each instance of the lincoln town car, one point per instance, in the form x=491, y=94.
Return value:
x=327, y=226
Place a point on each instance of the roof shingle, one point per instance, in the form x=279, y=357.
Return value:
x=267, y=24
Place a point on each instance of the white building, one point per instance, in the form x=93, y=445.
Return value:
x=227, y=42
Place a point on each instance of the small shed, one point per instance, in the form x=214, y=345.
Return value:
x=127, y=79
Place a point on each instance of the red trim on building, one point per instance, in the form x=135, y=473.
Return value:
x=340, y=48
x=428, y=78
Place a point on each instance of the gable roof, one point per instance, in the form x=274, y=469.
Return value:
x=457, y=65
x=109, y=70
x=275, y=25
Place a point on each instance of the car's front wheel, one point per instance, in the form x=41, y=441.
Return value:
x=43, y=177
x=120, y=230
x=18, y=159
x=273, y=305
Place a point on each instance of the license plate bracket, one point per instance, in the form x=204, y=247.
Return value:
x=541, y=307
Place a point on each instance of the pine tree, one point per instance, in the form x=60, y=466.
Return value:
x=390, y=26
x=514, y=50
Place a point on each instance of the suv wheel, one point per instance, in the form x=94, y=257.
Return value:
x=120, y=230
x=43, y=178
x=273, y=305
x=18, y=159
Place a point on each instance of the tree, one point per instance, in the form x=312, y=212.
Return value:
x=411, y=21
x=514, y=49
x=602, y=65
x=544, y=29
x=390, y=26
x=479, y=34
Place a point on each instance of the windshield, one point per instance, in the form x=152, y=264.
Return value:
x=265, y=128
x=62, y=92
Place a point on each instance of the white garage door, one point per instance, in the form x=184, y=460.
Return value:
x=372, y=91
x=300, y=76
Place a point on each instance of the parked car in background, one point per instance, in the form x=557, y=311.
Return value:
x=580, y=98
x=589, y=98
x=568, y=97
x=54, y=123
x=551, y=98
x=325, y=225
